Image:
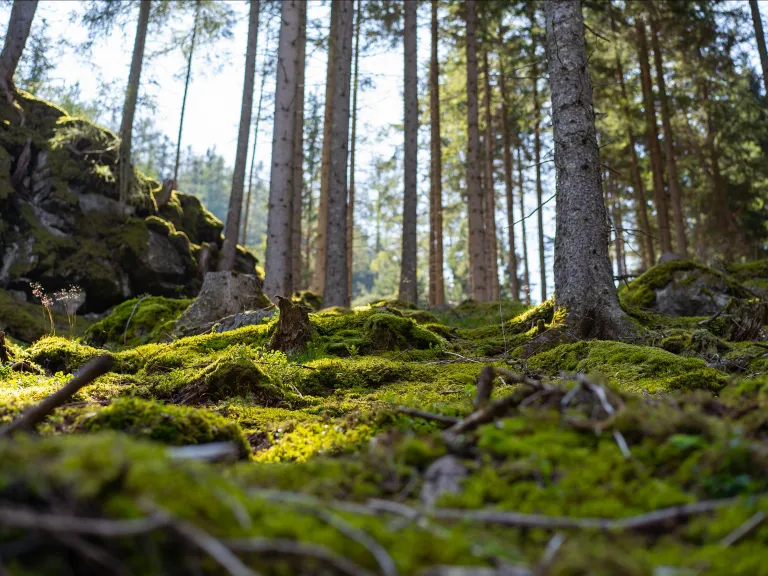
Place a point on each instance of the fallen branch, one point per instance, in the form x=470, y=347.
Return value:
x=448, y=420
x=754, y=521
x=37, y=413
x=18, y=517
x=210, y=452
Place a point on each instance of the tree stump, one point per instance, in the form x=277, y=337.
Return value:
x=293, y=327
x=164, y=197
x=5, y=354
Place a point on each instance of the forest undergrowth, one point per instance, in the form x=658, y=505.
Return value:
x=399, y=441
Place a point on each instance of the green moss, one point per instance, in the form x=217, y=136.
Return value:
x=748, y=270
x=159, y=225
x=174, y=425
x=151, y=320
x=6, y=189
x=188, y=215
x=61, y=355
x=27, y=321
x=390, y=332
x=308, y=298
x=631, y=367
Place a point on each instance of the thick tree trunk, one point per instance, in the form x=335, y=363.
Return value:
x=336, y=258
x=186, y=91
x=514, y=283
x=669, y=145
x=22, y=14
x=278, y=262
x=298, y=151
x=645, y=238
x=521, y=180
x=129, y=108
x=436, y=283
x=477, y=260
x=351, y=203
x=408, y=285
x=492, y=249
x=583, y=279
x=265, y=68
x=657, y=167
x=318, y=278
x=229, y=249
x=760, y=37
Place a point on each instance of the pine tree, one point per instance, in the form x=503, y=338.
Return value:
x=436, y=282
x=22, y=14
x=760, y=37
x=489, y=189
x=353, y=145
x=298, y=151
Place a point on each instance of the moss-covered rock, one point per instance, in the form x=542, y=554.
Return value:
x=57, y=354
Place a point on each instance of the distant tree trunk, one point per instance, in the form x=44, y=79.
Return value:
x=186, y=90
x=129, y=108
x=312, y=149
x=659, y=194
x=229, y=250
x=645, y=239
x=22, y=14
x=537, y=161
x=244, y=241
x=408, y=285
x=583, y=279
x=321, y=238
x=760, y=37
x=336, y=263
x=507, y=157
x=436, y=283
x=669, y=144
x=278, y=262
x=490, y=190
x=616, y=216
x=477, y=260
x=351, y=204
x=521, y=180
x=298, y=150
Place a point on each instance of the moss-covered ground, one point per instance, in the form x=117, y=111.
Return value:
x=341, y=478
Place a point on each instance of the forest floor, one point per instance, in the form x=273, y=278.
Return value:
x=400, y=441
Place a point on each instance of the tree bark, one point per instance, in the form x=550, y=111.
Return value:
x=616, y=216
x=514, y=283
x=186, y=91
x=298, y=151
x=318, y=278
x=229, y=249
x=537, y=161
x=521, y=180
x=408, y=261
x=760, y=37
x=244, y=241
x=351, y=204
x=312, y=149
x=669, y=144
x=278, y=263
x=583, y=278
x=129, y=108
x=336, y=258
x=19, y=25
x=477, y=260
x=436, y=282
x=646, y=239
x=492, y=250
x=652, y=131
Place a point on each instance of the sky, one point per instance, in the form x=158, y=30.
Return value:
x=213, y=105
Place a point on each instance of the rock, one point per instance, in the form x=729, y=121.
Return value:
x=247, y=318
x=223, y=294
x=443, y=476
x=293, y=327
x=669, y=257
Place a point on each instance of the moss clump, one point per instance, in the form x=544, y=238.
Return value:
x=744, y=271
x=60, y=355
x=159, y=225
x=631, y=367
x=390, y=332
x=471, y=314
x=188, y=215
x=322, y=377
x=151, y=320
x=173, y=425
x=420, y=316
x=309, y=299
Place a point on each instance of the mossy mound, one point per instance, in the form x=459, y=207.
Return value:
x=164, y=423
x=151, y=320
x=471, y=314
x=57, y=354
x=631, y=367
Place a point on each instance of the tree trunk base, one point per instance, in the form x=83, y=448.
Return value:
x=293, y=327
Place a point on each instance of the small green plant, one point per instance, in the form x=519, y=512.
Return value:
x=45, y=301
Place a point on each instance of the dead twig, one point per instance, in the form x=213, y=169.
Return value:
x=754, y=521
x=484, y=387
x=18, y=517
x=37, y=413
x=432, y=417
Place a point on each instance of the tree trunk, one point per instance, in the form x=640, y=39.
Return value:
x=351, y=204
x=298, y=151
x=318, y=278
x=669, y=144
x=229, y=249
x=336, y=258
x=408, y=285
x=645, y=238
x=583, y=279
x=477, y=260
x=22, y=14
x=526, y=275
x=186, y=91
x=490, y=191
x=278, y=261
x=537, y=161
x=616, y=216
x=760, y=36
x=129, y=108
x=507, y=157
x=244, y=241
x=312, y=149
x=659, y=194
x=436, y=283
